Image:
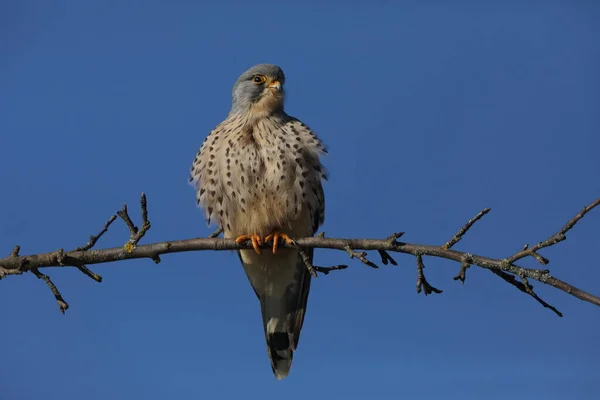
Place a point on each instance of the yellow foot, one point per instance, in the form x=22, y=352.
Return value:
x=256, y=241
x=275, y=236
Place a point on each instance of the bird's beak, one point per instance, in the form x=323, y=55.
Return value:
x=275, y=85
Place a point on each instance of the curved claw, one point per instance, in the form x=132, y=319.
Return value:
x=275, y=236
x=256, y=241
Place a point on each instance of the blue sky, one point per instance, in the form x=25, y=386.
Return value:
x=430, y=113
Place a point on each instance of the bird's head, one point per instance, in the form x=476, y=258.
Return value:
x=259, y=90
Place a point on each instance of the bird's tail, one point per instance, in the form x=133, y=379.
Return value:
x=279, y=347
x=283, y=319
x=283, y=311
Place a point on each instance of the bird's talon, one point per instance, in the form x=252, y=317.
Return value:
x=275, y=237
x=256, y=241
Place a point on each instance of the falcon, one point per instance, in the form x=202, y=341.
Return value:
x=259, y=176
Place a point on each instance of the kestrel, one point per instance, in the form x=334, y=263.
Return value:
x=258, y=175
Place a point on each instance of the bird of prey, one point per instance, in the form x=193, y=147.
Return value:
x=258, y=175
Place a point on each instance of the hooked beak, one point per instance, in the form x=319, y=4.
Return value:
x=275, y=85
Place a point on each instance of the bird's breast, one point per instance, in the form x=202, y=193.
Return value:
x=258, y=178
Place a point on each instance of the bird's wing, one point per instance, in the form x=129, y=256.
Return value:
x=204, y=174
x=298, y=300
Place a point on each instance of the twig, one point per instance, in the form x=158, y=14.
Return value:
x=552, y=240
x=458, y=236
x=92, y=242
x=421, y=281
x=85, y=270
x=17, y=269
x=15, y=251
x=156, y=258
x=462, y=273
x=124, y=214
x=93, y=239
x=542, y=260
x=305, y=258
x=62, y=304
x=361, y=256
x=327, y=270
x=393, y=238
x=528, y=287
x=525, y=287
x=216, y=233
x=135, y=234
x=385, y=258
x=312, y=268
x=4, y=272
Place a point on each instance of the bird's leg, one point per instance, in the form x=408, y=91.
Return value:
x=275, y=236
x=255, y=238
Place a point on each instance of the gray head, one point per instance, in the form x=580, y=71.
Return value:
x=259, y=90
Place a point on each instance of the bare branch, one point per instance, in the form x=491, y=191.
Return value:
x=305, y=258
x=394, y=237
x=135, y=234
x=11, y=264
x=326, y=270
x=4, y=272
x=16, y=264
x=216, y=233
x=62, y=304
x=17, y=269
x=91, y=243
x=552, y=240
x=461, y=232
x=93, y=239
x=421, y=281
x=15, y=251
x=86, y=271
x=385, y=258
x=539, y=258
x=124, y=214
x=525, y=287
x=462, y=273
x=361, y=256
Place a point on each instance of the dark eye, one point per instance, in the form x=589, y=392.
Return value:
x=258, y=79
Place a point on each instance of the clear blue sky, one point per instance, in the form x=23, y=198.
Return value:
x=430, y=113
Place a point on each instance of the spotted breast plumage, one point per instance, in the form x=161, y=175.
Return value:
x=258, y=175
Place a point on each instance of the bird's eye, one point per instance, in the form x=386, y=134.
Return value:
x=258, y=79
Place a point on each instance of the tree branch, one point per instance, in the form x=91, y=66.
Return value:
x=421, y=281
x=461, y=232
x=506, y=268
